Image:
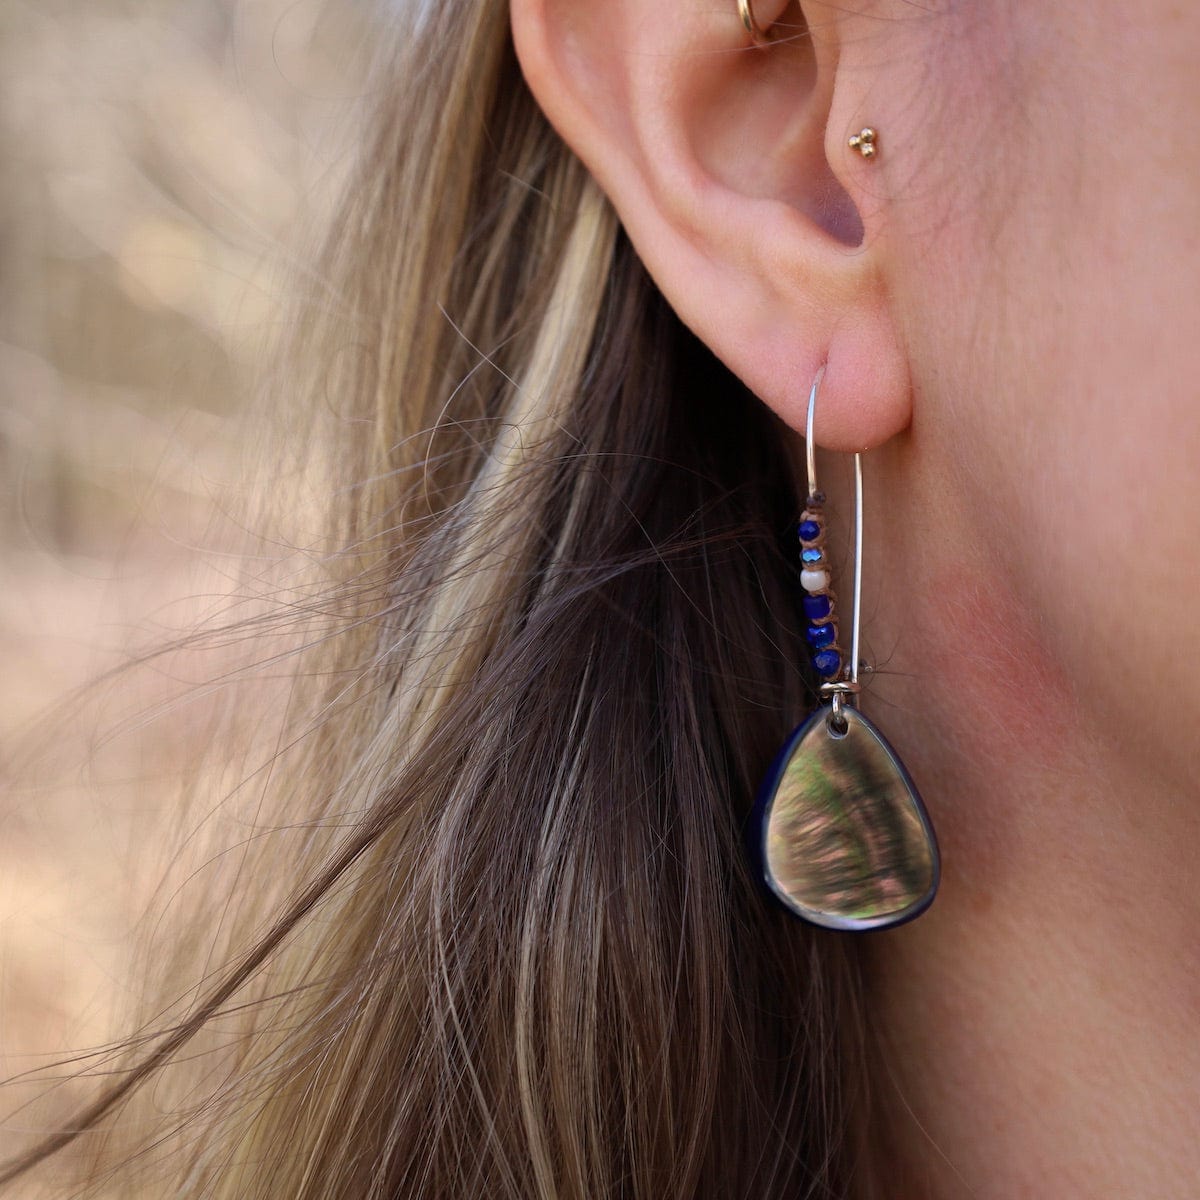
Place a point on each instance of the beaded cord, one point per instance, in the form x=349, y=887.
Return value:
x=820, y=601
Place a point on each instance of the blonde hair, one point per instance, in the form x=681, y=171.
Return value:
x=498, y=938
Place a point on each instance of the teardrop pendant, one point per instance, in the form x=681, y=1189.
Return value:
x=845, y=840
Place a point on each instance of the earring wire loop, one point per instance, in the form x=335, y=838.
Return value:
x=850, y=684
x=858, y=557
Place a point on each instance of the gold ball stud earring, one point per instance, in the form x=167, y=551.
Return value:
x=864, y=141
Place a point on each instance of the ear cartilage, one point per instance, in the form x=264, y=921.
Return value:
x=865, y=142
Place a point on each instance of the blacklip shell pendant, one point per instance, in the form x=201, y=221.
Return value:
x=846, y=842
x=843, y=839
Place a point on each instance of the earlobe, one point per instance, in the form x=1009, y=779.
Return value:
x=728, y=166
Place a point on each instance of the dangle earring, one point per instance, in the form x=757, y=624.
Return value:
x=843, y=838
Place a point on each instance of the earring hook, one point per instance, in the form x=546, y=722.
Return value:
x=816, y=497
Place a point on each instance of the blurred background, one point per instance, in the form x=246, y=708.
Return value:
x=165, y=164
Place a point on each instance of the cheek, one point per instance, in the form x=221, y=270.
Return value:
x=1046, y=283
x=989, y=707
x=1016, y=703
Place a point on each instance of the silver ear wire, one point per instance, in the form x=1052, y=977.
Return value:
x=848, y=685
x=810, y=454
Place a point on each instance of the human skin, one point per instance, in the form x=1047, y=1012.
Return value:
x=1007, y=300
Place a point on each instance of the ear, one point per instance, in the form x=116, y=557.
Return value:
x=729, y=166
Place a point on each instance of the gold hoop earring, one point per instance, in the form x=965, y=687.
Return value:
x=752, y=27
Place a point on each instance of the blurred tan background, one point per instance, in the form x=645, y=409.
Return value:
x=164, y=161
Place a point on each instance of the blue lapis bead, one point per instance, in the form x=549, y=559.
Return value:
x=827, y=663
x=817, y=608
x=809, y=531
x=820, y=636
x=811, y=556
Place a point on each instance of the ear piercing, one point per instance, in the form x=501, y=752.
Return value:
x=864, y=142
x=757, y=34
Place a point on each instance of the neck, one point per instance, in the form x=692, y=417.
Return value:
x=1035, y=1030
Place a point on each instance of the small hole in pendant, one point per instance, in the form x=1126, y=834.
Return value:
x=838, y=726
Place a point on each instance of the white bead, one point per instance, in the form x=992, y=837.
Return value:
x=814, y=581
